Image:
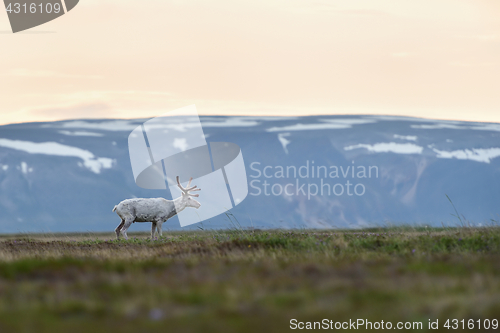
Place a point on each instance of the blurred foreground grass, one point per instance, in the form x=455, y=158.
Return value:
x=246, y=281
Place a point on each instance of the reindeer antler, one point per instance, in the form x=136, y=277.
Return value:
x=188, y=189
x=179, y=184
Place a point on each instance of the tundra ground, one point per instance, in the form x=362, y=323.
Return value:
x=247, y=281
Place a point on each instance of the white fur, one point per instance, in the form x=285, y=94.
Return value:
x=154, y=210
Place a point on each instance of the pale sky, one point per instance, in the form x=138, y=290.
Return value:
x=139, y=59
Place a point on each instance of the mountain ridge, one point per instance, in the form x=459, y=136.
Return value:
x=68, y=175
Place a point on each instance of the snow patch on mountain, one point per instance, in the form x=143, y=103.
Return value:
x=487, y=127
x=24, y=168
x=349, y=121
x=94, y=164
x=478, y=127
x=259, y=118
x=284, y=141
x=478, y=155
x=306, y=127
x=330, y=124
x=180, y=143
x=405, y=137
x=413, y=119
x=389, y=147
x=231, y=122
x=438, y=126
x=108, y=125
x=80, y=133
x=180, y=124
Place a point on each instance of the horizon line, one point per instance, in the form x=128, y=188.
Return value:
x=263, y=116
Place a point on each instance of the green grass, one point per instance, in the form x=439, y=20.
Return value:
x=248, y=281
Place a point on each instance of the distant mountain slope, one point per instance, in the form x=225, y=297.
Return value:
x=68, y=175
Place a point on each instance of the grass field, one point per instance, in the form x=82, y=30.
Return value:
x=248, y=281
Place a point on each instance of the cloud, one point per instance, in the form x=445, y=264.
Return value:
x=485, y=37
x=470, y=64
x=23, y=72
x=400, y=54
x=91, y=110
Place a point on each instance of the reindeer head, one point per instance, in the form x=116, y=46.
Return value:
x=186, y=196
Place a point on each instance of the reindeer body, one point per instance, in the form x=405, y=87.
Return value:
x=154, y=210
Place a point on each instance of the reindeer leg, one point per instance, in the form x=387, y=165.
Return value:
x=118, y=228
x=153, y=229
x=128, y=223
x=159, y=228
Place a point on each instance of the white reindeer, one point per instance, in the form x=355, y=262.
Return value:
x=154, y=210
